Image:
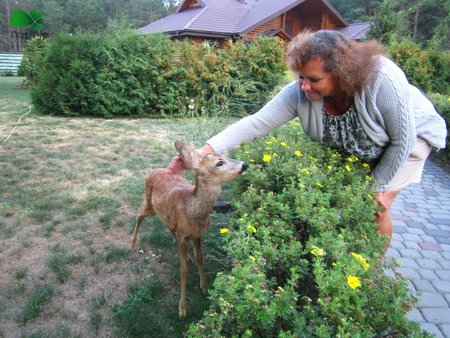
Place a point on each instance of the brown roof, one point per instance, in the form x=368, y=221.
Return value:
x=227, y=17
x=357, y=31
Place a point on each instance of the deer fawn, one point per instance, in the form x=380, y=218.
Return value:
x=185, y=208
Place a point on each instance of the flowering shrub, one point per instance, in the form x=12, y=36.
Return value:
x=306, y=251
x=427, y=69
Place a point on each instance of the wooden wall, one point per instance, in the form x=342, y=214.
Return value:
x=276, y=23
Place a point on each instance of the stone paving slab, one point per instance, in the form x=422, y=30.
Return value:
x=421, y=244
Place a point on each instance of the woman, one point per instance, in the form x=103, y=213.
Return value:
x=350, y=97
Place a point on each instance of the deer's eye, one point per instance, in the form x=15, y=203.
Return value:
x=220, y=163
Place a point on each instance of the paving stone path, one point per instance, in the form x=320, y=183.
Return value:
x=421, y=244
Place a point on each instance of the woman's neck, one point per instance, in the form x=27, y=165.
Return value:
x=337, y=105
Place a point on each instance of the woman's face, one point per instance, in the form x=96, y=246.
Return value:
x=315, y=81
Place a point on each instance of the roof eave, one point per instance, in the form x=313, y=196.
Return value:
x=217, y=35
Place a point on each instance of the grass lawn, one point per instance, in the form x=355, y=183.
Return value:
x=70, y=189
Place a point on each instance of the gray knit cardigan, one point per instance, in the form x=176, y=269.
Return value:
x=392, y=113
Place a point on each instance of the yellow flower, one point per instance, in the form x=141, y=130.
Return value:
x=330, y=168
x=304, y=171
x=319, y=185
x=361, y=259
x=353, y=282
x=368, y=178
x=251, y=228
x=352, y=159
x=317, y=251
x=251, y=258
x=357, y=255
x=283, y=144
x=348, y=168
x=298, y=153
x=267, y=158
x=364, y=264
x=365, y=165
x=223, y=231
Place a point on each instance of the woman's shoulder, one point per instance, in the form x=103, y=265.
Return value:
x=291, y=90
x=387, y=74
x=388, y=67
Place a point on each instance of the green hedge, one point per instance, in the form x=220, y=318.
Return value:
x=442, y=104
x=32, y=58
x=428, y=69
x=307, y=255
x=123, y=73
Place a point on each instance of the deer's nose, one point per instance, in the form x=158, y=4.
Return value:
x=243, y=168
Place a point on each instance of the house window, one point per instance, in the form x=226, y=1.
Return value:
x=288, y=27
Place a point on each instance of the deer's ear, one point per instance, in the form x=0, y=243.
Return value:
x=190, y=155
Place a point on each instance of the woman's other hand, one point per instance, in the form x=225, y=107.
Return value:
x=176, y=166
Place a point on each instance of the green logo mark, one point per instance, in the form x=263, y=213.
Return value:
x=21, y=18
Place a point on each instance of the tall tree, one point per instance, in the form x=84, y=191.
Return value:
x=419, y=20
x=356, y=10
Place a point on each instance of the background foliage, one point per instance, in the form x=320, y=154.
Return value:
x=123, y=73
x=422, y=21
x=32, y=59
x=75, y=16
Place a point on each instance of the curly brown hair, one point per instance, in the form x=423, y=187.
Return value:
x=353, y=63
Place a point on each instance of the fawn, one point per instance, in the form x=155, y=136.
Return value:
x=185, y=208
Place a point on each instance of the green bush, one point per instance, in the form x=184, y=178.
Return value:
x=66, y=85
x=307, y=255
x=427, y=69
x=33, y=56
x=107, y=75
x=123, y=73
x=442, y=104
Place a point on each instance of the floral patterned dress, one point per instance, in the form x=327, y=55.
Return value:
x=345, y=133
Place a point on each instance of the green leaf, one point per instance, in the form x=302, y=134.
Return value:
x=36, y=15
x=20, y=18
x=38, y=20
x=36, y=27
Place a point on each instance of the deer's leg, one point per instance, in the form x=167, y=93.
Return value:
x=199, y=260
x=182, y=247
x=146, y=210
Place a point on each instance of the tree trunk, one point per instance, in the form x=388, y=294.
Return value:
x=416, y=21
x=368, y=8
x=8, y=14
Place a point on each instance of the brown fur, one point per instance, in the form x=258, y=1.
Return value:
x=185, y=208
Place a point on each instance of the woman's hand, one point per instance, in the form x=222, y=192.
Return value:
x=176, y=166
x=385, y=200
x=381, y=202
